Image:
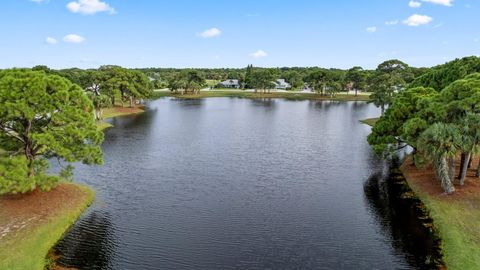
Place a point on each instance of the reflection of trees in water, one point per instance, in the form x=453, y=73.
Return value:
x=133, y=121
x=185, y=103
x=398, y=218
x=268, y=103
x=88, y=245
x=324, y=104
x=359, y=104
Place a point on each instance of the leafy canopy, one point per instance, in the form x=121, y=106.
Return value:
x=43, y=116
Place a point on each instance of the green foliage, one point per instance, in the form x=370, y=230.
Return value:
x=390, y=129
x=263, y=79
x=439, y=141
x=294, y=78
x=44, y=116
x=441, y=76
x=14, y=171
x=437, y=125
x=389, y=79
x=357, y=77
x=325, y=81
x=129, y=84
x=187, y=81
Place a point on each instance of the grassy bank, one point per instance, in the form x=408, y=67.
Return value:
x=286, y=95
x=456, y=217
x=370, y=121
x=31, y=224
x=117, y=111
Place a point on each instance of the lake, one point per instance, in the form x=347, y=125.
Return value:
x=229, y=183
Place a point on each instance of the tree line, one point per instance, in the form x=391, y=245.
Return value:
x=107, y=85
x=50, y=114
x=438, y=116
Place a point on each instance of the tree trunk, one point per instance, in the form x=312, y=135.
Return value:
x=443, y=173
x=131, y=101
x=31, y=158
x=477, y=174
x=462, y=161
x=464, y=168
x=451, y=168
x=382, y=109
x=414, y=156
x=356, y=92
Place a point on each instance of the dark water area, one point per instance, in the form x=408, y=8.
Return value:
x=228, y=183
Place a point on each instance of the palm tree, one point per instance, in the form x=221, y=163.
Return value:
x=439, y=144
x=470, y=141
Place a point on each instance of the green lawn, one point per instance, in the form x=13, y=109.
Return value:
x=102, y=125
x=212, y=82
x=28, y=247
x=370, y=121
x=456, y=218
x=244, y=94
x=115, y=112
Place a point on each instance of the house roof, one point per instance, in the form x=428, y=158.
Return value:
x=282, y=82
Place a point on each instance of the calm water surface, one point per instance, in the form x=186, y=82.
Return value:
x=226, y=183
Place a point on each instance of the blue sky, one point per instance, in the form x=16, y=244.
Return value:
x=235, y=33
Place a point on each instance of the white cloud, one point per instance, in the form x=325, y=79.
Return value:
x=447, y=3
x=210, y=33
x=89, y=7
x=416, y=20
x=372, y=29
x=259, y=54
x=414, y=4
x=394, y=22
x=51, y=40
x=38, y=1
x=476, y=40
x=72, y=38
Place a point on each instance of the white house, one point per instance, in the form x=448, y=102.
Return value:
x=306, y=88
x=230, y=84
x=282, y=84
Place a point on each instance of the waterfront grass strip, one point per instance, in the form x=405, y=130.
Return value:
x=116, y=112
x=31, y=224
x=370, y=121
x=456, y=217
x=285, y=95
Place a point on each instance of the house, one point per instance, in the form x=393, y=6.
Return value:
x=281, y=84
x=306, y=88
x=230, y=84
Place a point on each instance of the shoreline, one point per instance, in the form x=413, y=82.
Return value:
x=31, y=224
x=252, y=95
x=117, y=111
x=455, y=217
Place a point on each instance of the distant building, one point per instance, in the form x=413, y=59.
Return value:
x=235, y=84
x=306, y=88
x=281, y=84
